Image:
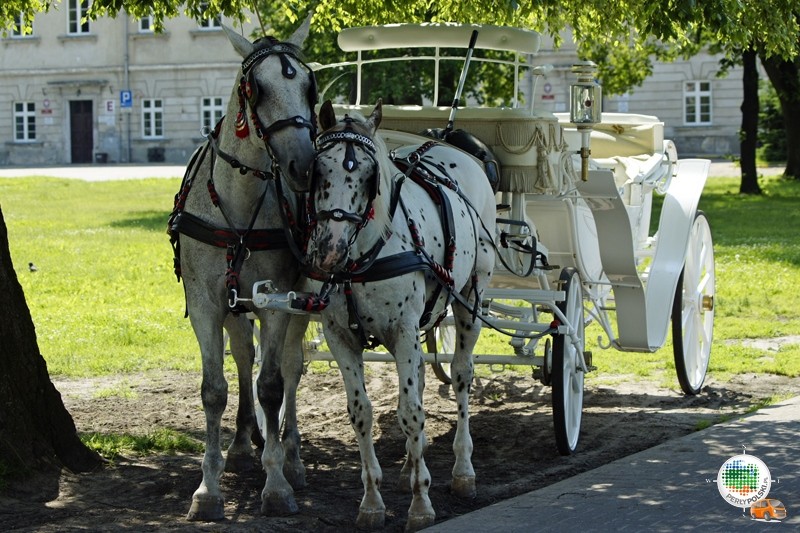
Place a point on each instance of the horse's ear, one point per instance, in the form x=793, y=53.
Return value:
x=327, y=117
x=240, y=44
x=374, y=119
x=300, y=34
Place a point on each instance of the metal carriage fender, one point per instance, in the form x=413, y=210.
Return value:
x=643, y=309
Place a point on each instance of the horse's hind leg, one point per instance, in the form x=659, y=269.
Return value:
x=240, y=452
x=207, y=501
x=461, y=371
x=292, y=370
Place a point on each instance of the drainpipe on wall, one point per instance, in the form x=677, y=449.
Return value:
x=127, y=87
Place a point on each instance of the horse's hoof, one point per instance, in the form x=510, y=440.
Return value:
x=206, y=509
x=278, y=505
x=295, y=475
x=417, y=522
x=464, y=487
x=241, y=462
x=371, y=519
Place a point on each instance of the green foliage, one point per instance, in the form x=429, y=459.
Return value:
x=771, y=133
x=112, y=445
x=623, y=36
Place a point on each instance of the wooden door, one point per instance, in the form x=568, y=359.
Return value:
x=81, y=130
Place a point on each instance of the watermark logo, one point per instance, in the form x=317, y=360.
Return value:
x=744, y=481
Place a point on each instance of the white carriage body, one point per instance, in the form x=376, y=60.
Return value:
x=599, y=227
x=596, y=231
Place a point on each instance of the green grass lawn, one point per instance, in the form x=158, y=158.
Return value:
x=104, y=299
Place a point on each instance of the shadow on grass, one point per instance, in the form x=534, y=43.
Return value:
x=146, y=220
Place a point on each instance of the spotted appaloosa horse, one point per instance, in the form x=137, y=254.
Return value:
x=235, y=228
x=396, y=245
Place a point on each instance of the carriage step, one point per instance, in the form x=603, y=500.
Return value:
x=587, y=358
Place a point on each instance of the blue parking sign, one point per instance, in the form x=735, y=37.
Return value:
x=125, y=99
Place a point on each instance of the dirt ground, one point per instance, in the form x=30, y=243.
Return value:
x=511, y=426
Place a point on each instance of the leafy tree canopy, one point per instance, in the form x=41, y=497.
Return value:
x=621, y=36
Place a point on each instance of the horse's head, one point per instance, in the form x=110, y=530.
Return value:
x=277, y=94
x=345, y=181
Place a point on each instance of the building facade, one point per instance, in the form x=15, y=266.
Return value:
x=701, y=111
x=112, y=90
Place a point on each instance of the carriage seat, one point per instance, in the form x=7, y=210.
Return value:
x=619, y=134
x=517, y=137
x=631, y=146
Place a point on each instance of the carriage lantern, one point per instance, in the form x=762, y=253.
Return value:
x=585, y=107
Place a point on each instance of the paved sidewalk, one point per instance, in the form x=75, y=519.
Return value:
x=671, y=487
x=101, y=172
x=97, y=172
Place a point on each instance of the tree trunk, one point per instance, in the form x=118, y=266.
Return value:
x=749, y=133
x=785, y=77
x=37, y=433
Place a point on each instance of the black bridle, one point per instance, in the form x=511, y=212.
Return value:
x=249, y=94
x=326, y=142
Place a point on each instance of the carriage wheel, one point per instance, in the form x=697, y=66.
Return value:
x=693, y=309
x=547, y=365
x=567, y=374
x=441, y=339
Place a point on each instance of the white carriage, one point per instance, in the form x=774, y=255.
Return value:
x=574, y=249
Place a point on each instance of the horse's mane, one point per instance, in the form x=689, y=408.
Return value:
x=386, y=170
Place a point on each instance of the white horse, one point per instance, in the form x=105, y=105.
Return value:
x=393, y=260
x=233, y=228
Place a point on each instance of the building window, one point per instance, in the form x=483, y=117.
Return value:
x=211, y=112
x=18, y=31
x=697, y=102
x=214, y=23
x=77, y=23
x=146, y=24
x=152, y=118
x=24, y=121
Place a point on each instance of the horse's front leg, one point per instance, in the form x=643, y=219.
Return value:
x=240, y=452
x=461, y=371
x=349, y=358
x=207, y=501
x=411, y=415
x=404, y=481
x=277, y=497
x=292, y=370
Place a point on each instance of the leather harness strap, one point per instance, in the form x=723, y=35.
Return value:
x=369, y=267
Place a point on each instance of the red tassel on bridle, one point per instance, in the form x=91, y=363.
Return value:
x=242, y=128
